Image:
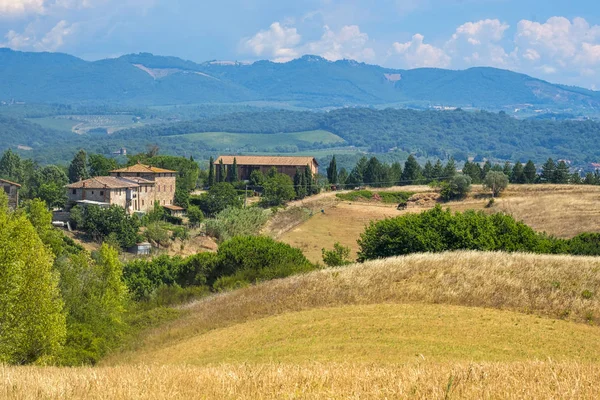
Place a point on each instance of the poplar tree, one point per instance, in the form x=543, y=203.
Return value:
x=234, y=171
x=222, y=172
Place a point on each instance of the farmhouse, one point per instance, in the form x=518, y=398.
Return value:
x=12, y=191
x=135, y=188
x=284, y=165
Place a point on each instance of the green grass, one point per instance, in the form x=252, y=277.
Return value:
x=367, y=195
x=389, y=333
x=226, y=140
x=60, y=124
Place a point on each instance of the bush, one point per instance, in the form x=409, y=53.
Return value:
x=143, y=277
x=237, y=222
x=337, y=257
x=101, y=222
x=586, y=244
x=437, y=230
x=156, y=233
x=385, y=197
x=254, y=259
x=277, y=190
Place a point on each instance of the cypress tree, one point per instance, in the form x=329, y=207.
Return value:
x=78, y=169
x=332, y=173
x=234, y=171
x=211, y=172
x=299, y=185
x=222, y=171
x=530, y=172
x=308, y=177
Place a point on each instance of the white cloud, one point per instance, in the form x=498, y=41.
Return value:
x=348, y=43
x=16, y=8
x=30, y=39
x=477, y=43
x=416, y=53
x=281, y=43
x=278, y=43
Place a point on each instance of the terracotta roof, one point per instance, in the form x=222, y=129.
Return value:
x=267, y=160
x=142, y=168
x=103, y=182
x=174, y=208
x=137, y=179
x=10, y=183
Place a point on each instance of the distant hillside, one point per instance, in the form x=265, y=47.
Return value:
x=311, y=81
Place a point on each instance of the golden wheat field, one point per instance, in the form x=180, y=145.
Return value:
x=452, y=325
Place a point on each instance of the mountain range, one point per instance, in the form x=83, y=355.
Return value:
x=309, y=82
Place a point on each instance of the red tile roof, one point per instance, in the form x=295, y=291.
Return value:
x=141, y=168
x=104, y=182
x=10, y=183
x=267, y=160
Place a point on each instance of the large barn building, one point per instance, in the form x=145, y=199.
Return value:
x=135, y=188
x=284, y=165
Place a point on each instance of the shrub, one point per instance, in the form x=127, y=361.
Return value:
x=254, y=259
x=143, y=277
x=156, y=233
x=277, y=190
x=385, y=197
x=437, y=230
x=237, y=222
x=587, y=244
x=101, y=222
x=337, y=257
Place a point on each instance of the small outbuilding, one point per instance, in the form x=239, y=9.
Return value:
x=12, y=191
x=175, y=211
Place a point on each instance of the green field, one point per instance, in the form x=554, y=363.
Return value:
x=83, y=123
x=226, y=140
x=60, y=124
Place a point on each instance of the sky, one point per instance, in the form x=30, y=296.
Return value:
x=555, y=40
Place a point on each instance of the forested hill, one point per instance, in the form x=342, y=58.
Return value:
x=311, y=82
x=427, y=133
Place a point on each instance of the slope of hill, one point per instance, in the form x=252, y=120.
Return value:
x=548, y=286
x=311, y=81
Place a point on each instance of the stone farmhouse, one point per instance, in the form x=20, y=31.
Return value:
x=247, y=164
x=12, y=191
x=134, y=188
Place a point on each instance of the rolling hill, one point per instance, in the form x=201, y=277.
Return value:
x=311, y=81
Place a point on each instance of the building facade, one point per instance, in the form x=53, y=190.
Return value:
x=134, y=188
x=247, y=164
x=11, y=189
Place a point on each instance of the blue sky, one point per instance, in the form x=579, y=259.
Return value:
x=555, y=40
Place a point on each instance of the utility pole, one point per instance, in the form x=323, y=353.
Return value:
x=246, y=197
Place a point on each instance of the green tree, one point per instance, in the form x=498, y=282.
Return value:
x=222, y=172
x=78, y=169
x=11, y=166
x=195, y=215
x=438, y=171
x=278, y=190
x=548, y=171
x=507, y=170
x=495, y=181
x=487, y=167
x=100, y=165
x=457, y=188
x=156, y=233
x=518, y=174
x=256, y=178
x=374, y=173
x=561, y=174
x=332, y=172
x=428, y=172
x=449, y=170
x=575, y=178
x=233, y=174
x=411, y=175
x=311, y=188
x=343, y=177
x=211, y=172
x=299, y=184
x=219, y=197
x=530, y=172
x=395, y=174
x=31, y=310
x=101, y=222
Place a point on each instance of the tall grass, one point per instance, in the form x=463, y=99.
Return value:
x=416, y=380
x=233, y=222
x=563, y=287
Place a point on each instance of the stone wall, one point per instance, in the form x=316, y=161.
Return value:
x=165, y=190
x=12, y=192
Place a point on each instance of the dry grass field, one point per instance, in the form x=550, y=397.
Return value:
x=560, y=210
x=417, y=380
x=430, y=326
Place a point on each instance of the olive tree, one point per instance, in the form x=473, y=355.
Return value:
x=495, y=181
